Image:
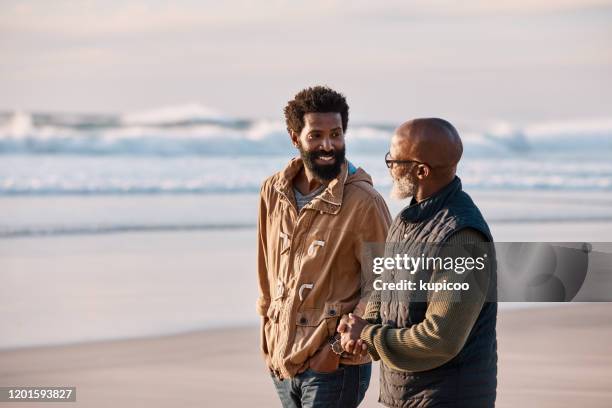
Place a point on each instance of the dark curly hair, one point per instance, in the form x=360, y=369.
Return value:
x=320, y=99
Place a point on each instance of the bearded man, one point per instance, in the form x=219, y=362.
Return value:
x=315, y=217
x=438, y=348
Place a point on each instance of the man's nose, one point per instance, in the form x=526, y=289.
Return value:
x=326, y=144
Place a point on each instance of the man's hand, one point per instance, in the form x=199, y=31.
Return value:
x=350, y=328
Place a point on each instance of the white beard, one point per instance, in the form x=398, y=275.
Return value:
x=402, y=188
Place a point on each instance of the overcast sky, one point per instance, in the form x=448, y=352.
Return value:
x=469, y=60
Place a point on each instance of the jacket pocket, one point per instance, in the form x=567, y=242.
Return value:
x=313, y=327
x=328, y=315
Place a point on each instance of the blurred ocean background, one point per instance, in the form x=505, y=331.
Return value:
x=192, y=150
x=123, y=154
x=143, y=224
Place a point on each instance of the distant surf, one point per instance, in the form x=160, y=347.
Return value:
x=193, y=149
x=195, y=130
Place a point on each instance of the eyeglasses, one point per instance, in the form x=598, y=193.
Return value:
x=390, y=162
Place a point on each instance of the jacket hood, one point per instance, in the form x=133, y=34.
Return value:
x=330, y=200
x=358, y=175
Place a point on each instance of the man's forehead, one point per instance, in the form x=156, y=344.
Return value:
x=399, y=139
x=400, y=142
x=323, y=119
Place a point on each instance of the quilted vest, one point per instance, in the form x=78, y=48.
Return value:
x=470, y=378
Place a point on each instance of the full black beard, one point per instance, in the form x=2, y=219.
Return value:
x=326, y=172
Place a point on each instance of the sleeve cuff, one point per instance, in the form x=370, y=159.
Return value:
x=367, y=336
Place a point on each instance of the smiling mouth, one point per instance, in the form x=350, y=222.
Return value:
x=327, y=158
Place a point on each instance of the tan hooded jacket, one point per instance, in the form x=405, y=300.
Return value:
x=309, y=263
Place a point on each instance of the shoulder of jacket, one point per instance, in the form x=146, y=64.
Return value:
x=363, y=192
x=361, y=189
x=268, y=184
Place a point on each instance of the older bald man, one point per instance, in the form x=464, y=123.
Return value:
x=437, y=348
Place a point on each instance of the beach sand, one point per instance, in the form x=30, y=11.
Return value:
x=88, y=310
x=548, y=357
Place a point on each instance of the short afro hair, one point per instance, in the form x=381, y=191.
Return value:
x=316, y=99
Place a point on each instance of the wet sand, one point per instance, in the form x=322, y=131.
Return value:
x=548, y=357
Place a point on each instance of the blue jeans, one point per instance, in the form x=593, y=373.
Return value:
x=343, y=388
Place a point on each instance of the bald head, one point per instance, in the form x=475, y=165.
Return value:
x=429, y=140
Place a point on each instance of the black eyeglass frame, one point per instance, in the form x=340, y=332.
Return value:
x=390, y=162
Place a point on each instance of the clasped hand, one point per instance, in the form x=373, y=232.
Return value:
x=350, y=329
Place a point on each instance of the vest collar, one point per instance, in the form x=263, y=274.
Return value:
x=417, y=212
x=329, y=201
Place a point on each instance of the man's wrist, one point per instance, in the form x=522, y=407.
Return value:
x=367, y=336
x=336, y=346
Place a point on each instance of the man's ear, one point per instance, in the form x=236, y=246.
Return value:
x=295, y=138
x=423, y=171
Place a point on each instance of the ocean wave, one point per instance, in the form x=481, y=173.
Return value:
x=195, y=130
x=193, y=149
x=177, y=115
x=112, y=175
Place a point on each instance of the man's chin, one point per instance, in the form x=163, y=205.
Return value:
x=324, y=168
x=325, y=173
x=399, y=194
x=325, y=178
x=325, y=163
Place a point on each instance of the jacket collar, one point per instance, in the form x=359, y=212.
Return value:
x=329, y=201
x=417, y=212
